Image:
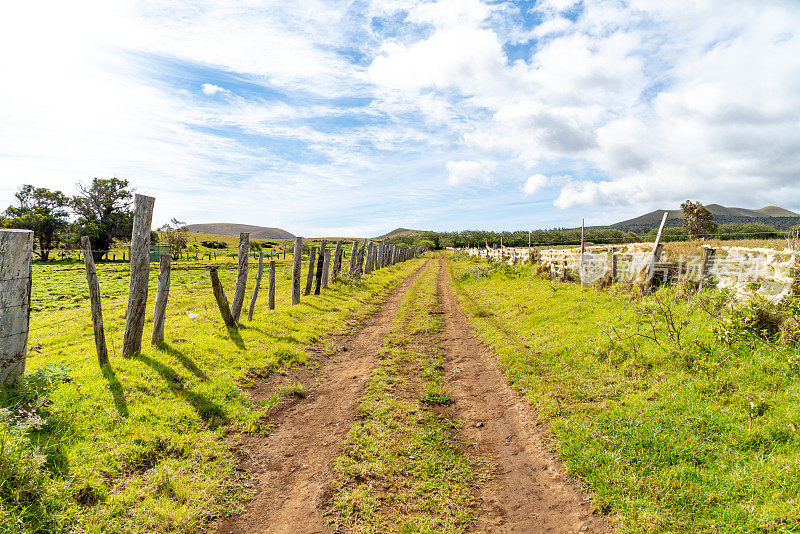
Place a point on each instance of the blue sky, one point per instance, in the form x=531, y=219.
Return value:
x=356, y=117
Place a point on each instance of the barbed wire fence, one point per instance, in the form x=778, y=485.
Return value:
x=16, y=268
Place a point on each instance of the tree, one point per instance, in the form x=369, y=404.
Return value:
x=43, y=211
x=175, y=237
x=104, y=212
x=697, y=220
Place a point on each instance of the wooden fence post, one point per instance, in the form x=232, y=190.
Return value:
x=222, y=301
x=272, y=284
x=320, y=263
x=368, y=259
x=94, y=295
x=705, y=264
x=353, y=258
x=614, y=265
x=312, y=258
x=297, y=258
x=162, y=295
x=337, y=261
x=359, y=263
x=241, y=276
x=325, y=266
x=381, y=248
x=258, y=284
x=140, y=275
x=16, y=261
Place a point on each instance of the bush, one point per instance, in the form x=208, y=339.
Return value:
x=759, y=319
x=214, y=244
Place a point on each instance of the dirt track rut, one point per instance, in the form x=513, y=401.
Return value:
x=528, y=491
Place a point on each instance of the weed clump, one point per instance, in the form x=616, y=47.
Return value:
x=489, y=269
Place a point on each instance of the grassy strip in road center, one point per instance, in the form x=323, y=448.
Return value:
x=403, y=467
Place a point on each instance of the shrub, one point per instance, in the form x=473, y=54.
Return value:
x=759, y=319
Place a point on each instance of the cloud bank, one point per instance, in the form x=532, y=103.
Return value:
x=378, y=113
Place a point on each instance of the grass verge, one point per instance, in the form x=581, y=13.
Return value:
x=674, y=419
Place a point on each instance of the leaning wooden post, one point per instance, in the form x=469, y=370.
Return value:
x=241, y=275
x=94, y=295
x=258, y=284
x=381, y=248
x=162, y=295
x=140, y=274
x=272, y=284
x=337, y=261
x=312, y=258
x=297, y=258
x=222, y=301
x=320, y=263
x=325, y=266
x=16, y=261
x=657, y=247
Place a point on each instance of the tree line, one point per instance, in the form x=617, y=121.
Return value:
x=697, y=223
x=101, y=210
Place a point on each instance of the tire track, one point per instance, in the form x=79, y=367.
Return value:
x=291, y=468
x=528, y=491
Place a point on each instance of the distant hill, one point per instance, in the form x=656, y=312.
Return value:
x=780, y=218
x=231, y=229
x=400, y=232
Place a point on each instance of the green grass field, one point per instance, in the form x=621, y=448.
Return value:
x=695, y=430
x=144, y=445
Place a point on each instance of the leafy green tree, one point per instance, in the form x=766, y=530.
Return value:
x=175, y=236
x=43, y=211
x=104, y=212
x=697, y=220
x=425, y=243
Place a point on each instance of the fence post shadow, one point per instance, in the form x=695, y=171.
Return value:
x=208, y=410
x=116, y=389
x=236, y=337
x=187, y=362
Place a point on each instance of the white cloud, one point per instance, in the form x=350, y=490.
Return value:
x=450, y=13
x=660, y=100
x=212, y=89
x=639, y=103
x=534, y=184
x=465, y=172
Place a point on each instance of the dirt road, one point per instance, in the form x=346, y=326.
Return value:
x=292, y=467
